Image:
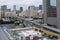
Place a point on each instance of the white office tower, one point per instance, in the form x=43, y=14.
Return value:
x=31, y=11
x=14, y=11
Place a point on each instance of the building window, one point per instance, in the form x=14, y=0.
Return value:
x=53, y=2
x=51, y=9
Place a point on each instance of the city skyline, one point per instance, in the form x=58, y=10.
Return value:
x=20, y=3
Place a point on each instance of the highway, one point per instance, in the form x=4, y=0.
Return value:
x=3, y=35
x=27, y=22
x=31, y=23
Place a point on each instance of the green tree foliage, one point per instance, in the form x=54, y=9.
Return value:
x=40, y=22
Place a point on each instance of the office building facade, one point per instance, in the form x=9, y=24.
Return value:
x=14, y=10
x=21, y=9
x=40, y=7
x=52, y=13
x=31, y=10
x=3, y=10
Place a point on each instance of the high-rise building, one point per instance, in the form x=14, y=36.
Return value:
x=21, y=9
x=14, y=10
x=52, y=13
x=40, y=7
x=31, y=10
x=3, y=10
x=3, y=7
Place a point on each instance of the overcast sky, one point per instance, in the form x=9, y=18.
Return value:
x=23, y=3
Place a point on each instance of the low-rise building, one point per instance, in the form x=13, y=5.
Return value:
x=9, y=14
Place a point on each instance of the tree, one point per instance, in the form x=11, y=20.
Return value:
x=40, y=22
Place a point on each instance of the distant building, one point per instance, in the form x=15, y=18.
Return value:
x=40, y=7
x=3, y=10
x=52, y=13
x=39, y=14
x=9, y=14
x=3, y=7
x=21, y=9
x=14, y=10
x=31, y=10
